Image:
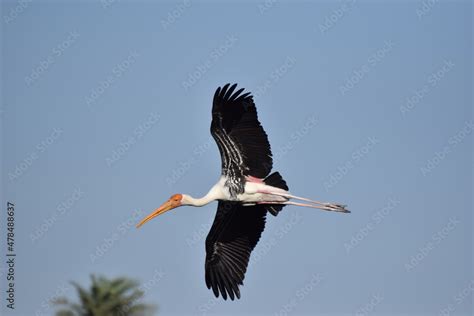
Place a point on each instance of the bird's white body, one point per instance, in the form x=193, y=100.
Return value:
x=256, y=191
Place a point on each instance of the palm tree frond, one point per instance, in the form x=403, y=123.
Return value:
x=106, y=297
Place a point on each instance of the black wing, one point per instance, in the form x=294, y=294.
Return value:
x=242, y=142
x=233, y=235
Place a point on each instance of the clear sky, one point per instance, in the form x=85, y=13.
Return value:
x=106, y=113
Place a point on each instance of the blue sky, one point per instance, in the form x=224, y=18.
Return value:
x=106, y=113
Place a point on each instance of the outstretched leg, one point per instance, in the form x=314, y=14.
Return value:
x=333, y=205
x=328, y=207
x=314, y=204
x=320, y=207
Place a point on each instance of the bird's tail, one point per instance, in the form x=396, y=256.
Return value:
x=275, y=180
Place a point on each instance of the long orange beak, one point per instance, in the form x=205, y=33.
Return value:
x=168, y=205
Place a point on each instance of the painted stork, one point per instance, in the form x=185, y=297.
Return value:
x=245, y=191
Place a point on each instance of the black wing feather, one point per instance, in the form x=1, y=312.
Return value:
x=241, y=139
x=233, y=235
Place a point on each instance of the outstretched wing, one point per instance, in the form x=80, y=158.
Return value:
x=242, y=142
x=233, y=235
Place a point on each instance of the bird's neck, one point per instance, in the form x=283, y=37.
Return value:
x=189, y=200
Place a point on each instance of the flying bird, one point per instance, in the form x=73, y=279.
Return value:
x=245, y=191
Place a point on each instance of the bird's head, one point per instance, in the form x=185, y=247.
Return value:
x=176, y=200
